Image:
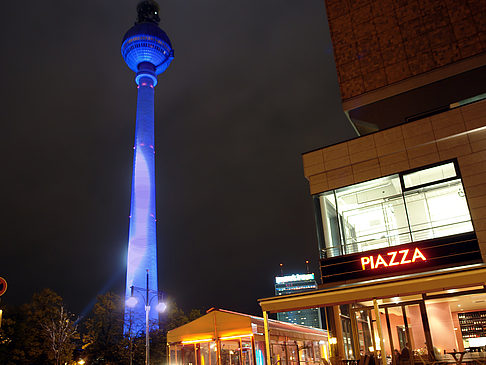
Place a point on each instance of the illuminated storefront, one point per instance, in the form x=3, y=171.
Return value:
x=401, y=226
x=433, y=314
x=228, y=338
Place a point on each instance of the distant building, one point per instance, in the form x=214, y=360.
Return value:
x=298, y=283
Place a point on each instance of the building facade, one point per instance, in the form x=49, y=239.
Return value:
x=393, y=56
x=298, y=283
x=401, y=209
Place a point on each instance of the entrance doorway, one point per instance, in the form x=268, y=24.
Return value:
x=402, y=338
x=404, y=327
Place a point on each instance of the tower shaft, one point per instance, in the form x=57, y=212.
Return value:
x=142, y=242
x=147, y=51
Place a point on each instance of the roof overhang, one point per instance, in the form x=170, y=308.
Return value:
x=437, y=281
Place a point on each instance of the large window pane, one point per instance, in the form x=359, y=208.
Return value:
x=457, y=323
x=438, y=210
x=377, y=214
x=260, y=352
x=175, y=354
x=293, y=354
x=246, y=353
x=365, y=333
x=207, y=353
x=416, y=342
x=306, y=353
x=372, y=215
x=230, y=352
x=188, y=355
x=429, y=175
x=330, y=226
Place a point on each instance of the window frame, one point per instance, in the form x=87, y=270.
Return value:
x=416, y=187
x=342, y=245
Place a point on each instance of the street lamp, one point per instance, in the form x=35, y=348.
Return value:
x=148, y=298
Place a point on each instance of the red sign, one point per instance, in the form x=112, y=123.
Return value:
x=436, y=253
x=3, y=286
x=392, y=258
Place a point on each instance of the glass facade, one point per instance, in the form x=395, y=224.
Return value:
x=407, y=207
x=230, y=352
x=418, y=328
x=284, y=350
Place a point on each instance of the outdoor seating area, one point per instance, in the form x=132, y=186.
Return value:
x=222, y=337
x=449, y=358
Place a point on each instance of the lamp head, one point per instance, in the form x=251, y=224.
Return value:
x=161, y=307
x=131, y=302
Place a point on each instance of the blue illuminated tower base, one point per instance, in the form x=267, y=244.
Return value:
x=147, y=50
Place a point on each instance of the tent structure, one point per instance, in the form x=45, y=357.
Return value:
x=239, y=339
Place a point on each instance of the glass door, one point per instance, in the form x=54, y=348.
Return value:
x=404, y=327
x=407, y=333
x=350, y=352
x=246, y=352
x=365, y=330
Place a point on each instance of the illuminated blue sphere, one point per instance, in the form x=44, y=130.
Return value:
x=145, y=47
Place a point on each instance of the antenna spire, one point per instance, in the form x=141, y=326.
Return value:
x=148, y=12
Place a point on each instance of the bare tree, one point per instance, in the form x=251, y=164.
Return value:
x=60, y=331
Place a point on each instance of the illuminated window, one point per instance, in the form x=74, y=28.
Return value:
x=393, y=210
x=230, y=352
x=429, y=175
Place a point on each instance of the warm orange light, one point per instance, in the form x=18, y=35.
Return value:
x=394, y=258
x=196, y=341
x=237, y=336
x=200, y=340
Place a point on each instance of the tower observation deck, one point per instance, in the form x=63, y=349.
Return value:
x=147, y=51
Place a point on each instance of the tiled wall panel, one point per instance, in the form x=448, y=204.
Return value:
x=459, y=133
x=380, y=42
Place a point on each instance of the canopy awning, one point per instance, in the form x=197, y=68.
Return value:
x=222, y=324
x=400, y=286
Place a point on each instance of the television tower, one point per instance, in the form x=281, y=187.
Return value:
x=147, y=51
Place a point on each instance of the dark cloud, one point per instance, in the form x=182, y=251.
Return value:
x=253, y=85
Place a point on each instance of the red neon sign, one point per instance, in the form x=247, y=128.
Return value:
x=393, y=258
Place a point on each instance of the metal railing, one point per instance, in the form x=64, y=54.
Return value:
x=390, y=238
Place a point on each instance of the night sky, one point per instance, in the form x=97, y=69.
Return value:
x=253, y=85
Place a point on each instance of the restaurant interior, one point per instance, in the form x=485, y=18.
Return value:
x=445, y=326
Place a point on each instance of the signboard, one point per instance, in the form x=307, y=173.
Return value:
x=3, y=286
x=292, y=278
x=426, y=255
x=392, y=258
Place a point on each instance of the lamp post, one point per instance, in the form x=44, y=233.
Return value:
x=148, y=296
